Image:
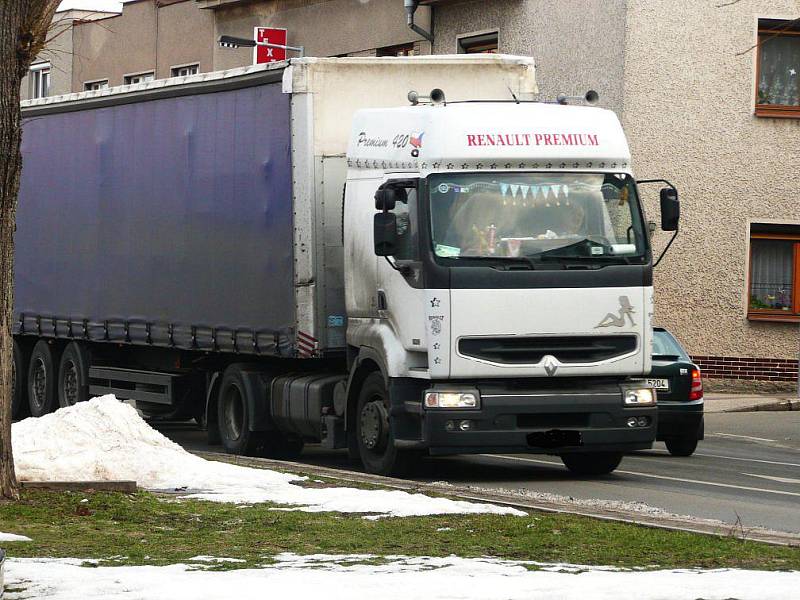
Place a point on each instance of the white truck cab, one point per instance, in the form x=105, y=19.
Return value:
x=498, y=268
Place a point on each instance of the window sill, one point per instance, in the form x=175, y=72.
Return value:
x=775, y=317
x=777, y=111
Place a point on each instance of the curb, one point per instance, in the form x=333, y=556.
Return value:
x=126, y=487
x=780, y=405
x=667, y=521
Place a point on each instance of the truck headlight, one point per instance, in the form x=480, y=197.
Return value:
x=639, y=397
x=452, y=400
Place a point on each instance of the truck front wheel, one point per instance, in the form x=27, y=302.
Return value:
x=598, y=463
x=374, y=434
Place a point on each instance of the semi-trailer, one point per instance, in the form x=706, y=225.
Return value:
x=402, y=257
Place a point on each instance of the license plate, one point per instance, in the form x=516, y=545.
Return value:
x=659, y=384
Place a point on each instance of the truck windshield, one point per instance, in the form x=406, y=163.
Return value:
x=537, y=216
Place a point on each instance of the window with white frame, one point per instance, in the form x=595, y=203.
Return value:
x=100, y=84
x=139, y=78
x=39, y=80
x=185, y=70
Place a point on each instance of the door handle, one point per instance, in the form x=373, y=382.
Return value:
x=382, y=304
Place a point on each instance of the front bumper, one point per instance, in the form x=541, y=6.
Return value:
x=680, y=420
x=543, y=422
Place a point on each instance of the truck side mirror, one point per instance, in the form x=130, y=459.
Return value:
x=670, y=209
x=385, y=227
x=387, y=197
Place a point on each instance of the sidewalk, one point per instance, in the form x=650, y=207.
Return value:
x=719, y=402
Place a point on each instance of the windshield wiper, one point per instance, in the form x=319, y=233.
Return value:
x=521, y=260
x=597, y=260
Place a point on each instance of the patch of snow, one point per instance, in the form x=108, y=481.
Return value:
x=349, y=578
x=106, y=440
x=217, y=559
x=13, y=537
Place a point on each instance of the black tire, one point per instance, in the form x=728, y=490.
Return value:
x=373, y=432
x=42, y=379
x=73, y=375
x=590, y=464
x=681, y=446
x=19, y=384
x=234, y=422
x=234, y=416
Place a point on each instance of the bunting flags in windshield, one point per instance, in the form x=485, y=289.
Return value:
x=552, y=193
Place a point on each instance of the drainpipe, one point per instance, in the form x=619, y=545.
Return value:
x=411, y=8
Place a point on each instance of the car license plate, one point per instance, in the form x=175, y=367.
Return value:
x=659, y=384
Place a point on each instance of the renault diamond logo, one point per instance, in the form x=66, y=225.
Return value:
x=550, y=365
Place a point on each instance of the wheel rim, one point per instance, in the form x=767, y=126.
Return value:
x=69, y=385
x=233, y=413
x=374, y=425
x=39, y=386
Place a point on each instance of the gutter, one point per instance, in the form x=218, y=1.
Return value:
x=411, y=8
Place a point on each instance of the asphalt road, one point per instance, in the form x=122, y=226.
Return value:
x=747, y=470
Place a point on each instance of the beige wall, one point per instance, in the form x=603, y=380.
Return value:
x=688, y=113
x=577, y=44
x=59, y=52
x=323, y=27
x=119, y=46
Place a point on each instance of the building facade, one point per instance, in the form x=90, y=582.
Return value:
x=51, y=72
x=709, y=96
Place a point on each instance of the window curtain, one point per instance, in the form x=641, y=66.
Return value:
x=771, y=278
x=779, y=80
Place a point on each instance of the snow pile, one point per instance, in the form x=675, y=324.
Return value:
x=13, y=537
x=348, y=578
x=106, y=440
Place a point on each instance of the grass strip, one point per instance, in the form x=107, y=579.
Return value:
x=146, y=528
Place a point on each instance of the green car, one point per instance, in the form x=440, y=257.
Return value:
x=680, y=394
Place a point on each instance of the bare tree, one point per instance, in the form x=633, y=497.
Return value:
x=23, y=31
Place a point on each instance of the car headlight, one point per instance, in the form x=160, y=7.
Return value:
x=639, y=397
x=452, y=400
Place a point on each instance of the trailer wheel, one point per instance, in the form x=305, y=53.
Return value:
x=373, y=431
x=19, y=379
x=73, y=375
x=42, y=396
x=598, y=463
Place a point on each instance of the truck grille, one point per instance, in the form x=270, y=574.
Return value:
x=531, y=350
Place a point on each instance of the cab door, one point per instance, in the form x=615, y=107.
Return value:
x=400, y=293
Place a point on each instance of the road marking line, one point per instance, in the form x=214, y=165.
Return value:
x=756, y=460
x=773, y=478
x=664, y=477
x=743, y=437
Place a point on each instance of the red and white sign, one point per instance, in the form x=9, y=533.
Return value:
x=271, y=35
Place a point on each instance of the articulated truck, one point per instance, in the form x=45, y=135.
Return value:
x=397, y=256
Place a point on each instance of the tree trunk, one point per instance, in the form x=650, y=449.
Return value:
x=23, y=31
